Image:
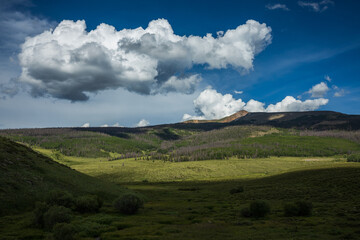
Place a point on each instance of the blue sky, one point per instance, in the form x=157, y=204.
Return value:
x=310, y=41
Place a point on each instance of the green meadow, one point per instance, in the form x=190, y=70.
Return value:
x=131, y=170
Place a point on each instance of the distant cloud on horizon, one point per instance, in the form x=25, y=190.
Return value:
x=85, y=125
x=114, y=125
x=143, y=123
x=213, y=105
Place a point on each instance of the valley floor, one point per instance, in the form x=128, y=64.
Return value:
x=132, y=170
x=202, y=207
x=207, y=210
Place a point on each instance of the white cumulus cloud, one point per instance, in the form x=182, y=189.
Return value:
x=70, y=62
x=85, y=125
x=327, y=78
x=142, y=123
x=254, y=106
x=319, y=90
x=213, y=105
x=290, y=104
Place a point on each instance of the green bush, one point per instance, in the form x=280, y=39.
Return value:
x=56, y=214
x=259, y=209
x=245, y=212
x=128, y=204
x=290, y=210
x=88, y=204
x=353, y=158
x=238, y=189
x=299, y=208
x=64, y=231
x=61, y=198
x=40, y=209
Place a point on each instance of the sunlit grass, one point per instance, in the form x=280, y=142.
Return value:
x=131, y=170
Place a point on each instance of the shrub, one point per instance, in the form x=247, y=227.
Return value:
x=56, y=214
x=128, y=204
x=291, y=209
x=40, y=209
x=305, y=208
x=245, y=212
x=88, y=204
x=64, y=231
x=61, y=198
x=259, y=209
x=299, y=208
x=238, y=189
x=353, y=158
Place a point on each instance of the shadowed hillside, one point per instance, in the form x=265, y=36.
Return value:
x=27, y=176
x=317, y=120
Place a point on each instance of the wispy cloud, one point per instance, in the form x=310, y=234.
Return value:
x=277, y=6
x=339, y=92
x=317, y=6
x=327, y=78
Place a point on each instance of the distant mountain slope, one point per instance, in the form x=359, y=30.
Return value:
x=318, y=120
x=227, y=119
x=27, y=176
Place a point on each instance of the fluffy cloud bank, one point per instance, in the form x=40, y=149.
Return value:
x=213, y=105
x=69, y=62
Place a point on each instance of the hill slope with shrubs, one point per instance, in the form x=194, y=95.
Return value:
x=27, y=176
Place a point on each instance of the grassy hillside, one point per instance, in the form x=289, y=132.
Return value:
x=73, y=142
x=27, y=176
x=172, y=144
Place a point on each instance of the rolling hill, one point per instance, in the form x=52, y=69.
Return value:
x=27, y=176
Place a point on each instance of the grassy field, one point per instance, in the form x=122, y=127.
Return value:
x=131, y=170
x=207, y=210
